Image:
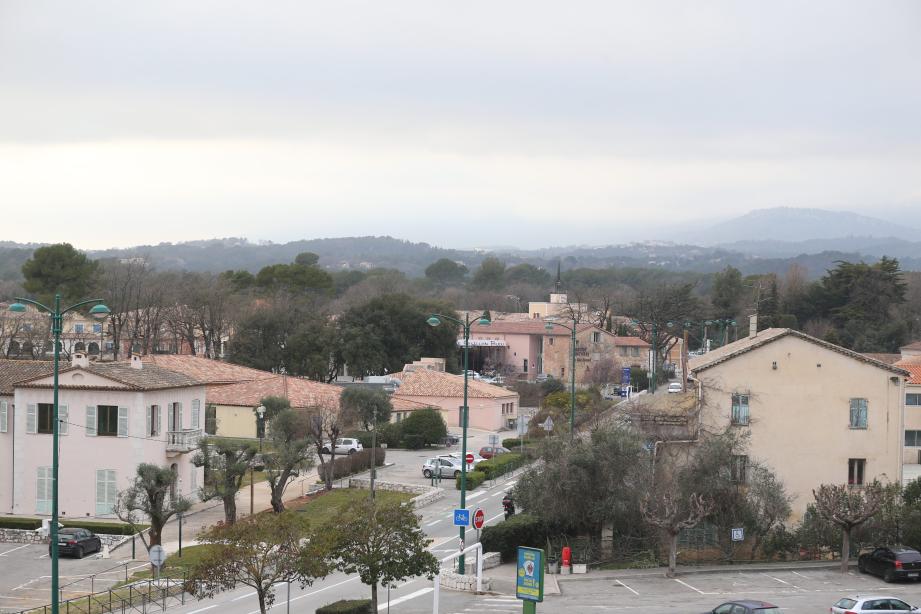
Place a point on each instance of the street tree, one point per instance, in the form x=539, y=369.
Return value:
x=768, y=502
x=226, y=463
x=382, y=542
x=672, y=512
x=290, y=454
x=656, y=308
x=59, y=268
x=848, y=508
x=367, y=406
x=152, y=497
x=259, y=552
x=325, y=423
x=274, y=405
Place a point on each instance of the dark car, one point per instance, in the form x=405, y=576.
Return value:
x=77, y=542
x=746, y=606
x=891, y=563
x=490, y=451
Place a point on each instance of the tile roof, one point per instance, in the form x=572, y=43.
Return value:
x=914, y=346
x=746, y=344
x=630, y=341
x=525, y=327
x=300, y=392
x=400, y=404
x=15, y=371
x=151, y=377
x=205, y=370
x=889, y=359
x=911, y=364
x=436, y=384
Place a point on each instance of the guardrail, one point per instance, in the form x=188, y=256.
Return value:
x=479, y=571
x=141, y=597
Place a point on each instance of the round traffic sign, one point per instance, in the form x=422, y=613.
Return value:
x=479, y=518
x=469, y=458
x=157, y=555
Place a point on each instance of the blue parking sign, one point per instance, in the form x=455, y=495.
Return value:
x=625, y=375
x=461, y=518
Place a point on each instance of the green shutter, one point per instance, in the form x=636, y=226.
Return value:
x=148, y=422
x=43, y=491
x=196, y=413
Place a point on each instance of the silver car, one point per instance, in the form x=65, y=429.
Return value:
x=871, y=604
x=442, y=466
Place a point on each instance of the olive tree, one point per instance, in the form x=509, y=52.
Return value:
x=152, y=497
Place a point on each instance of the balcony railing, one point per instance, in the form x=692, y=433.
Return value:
x=185, y=440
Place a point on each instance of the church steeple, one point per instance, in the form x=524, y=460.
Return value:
x=559, y=278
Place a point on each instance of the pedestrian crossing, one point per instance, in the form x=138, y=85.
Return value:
x=493, y=605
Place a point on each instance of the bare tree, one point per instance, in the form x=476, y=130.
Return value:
x=848, y=507
x=325, y=425
x=672, y=512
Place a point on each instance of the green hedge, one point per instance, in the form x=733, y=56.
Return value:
x=106, y=528
x=499, y=465
x=349, y=464
x=414, y=442
x=355, y=606
x=474, y=479
x=14, y=522
x=512, y=444
x=362, y=436
x=519, y=530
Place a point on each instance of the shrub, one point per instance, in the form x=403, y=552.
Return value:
x=390, y=434
x=519, y=530
x=499, y=465
x=414, y=442
x=354, y=606
x=27, y=524
x=474, y=479
x=511, y=443
x=345, y=465
x=106, y=528
x=427, y=424
x=362, y=436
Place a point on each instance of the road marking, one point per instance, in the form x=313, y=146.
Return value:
x=682, y=583
x=279, y=603
x=474, y=495
x=778, y=579
x=203, y=609
x=243, y=596
x=501, y=492
x=801, y=575
x=433, y=523
x=625, y=586
x=14, y=550
x=496, y=516
x=419, y=593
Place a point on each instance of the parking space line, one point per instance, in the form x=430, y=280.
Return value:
x=801, y=575
x=203, y=609
x=14, y=550
x=627, y=587
x=683, y=583
x=777, y=579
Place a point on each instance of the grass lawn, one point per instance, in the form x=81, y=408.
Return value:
x=258, y=476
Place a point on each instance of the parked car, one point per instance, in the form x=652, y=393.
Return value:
x=674, y=387
x=346, y=445
x=543, y=377
x=490, y=451
x=442, y=466
x=870, y=604
x=746, y=606
x=77, y=542
x=477, y=459
x=895, y=563
x=450, y=440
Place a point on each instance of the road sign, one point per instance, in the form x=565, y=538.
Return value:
x=469, y=458
x=157, y=555
x=625, y=375
x=493, y=439
x=461, y=518
x=529, y=579
x=548, y=424
x=479, y=518
x=738, y=535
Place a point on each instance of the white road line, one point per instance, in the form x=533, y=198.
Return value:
x=475, y=495
x=778, y=579
x=495, y=517
x=801, y=575
x=433, y=523
x=627, y=587
x=243, y=596
x=203, y=609
x=682, y=583
x=284, y=602
x=501, y=492
x=14, y=550
x=419, y=593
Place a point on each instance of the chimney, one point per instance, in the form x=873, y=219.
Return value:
x=136, y=362
x=753, y=326
x=79, y=360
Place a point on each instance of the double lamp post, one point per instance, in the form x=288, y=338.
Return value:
x=57, y=326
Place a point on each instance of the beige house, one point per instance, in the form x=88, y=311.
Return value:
x=489, y=405
x=912, y=455
x=816, y=412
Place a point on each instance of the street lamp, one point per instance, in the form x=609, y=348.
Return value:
x=260, y=432
x=99, y=311
x=434, y=320
x=572, y=373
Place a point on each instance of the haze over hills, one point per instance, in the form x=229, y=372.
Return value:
x=763, y=241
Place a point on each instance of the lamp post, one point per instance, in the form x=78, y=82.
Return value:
x=260, y=432
x=572, y=373
x=434, y=320
x=57, y=324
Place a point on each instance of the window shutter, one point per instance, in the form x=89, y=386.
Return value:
x=122, y=421
x=196, y=413
x=111, y=491
x=179, y=426
x=30, y=418
x=4, y=418
x=159, y=420
x=100, y=491
x=193, y=479
x=169, y=417
x=63, y=419
x=148, y=431
x=90, y=420
x=43, y=491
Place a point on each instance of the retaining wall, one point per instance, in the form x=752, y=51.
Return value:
x=457, y=582
x=426, y=495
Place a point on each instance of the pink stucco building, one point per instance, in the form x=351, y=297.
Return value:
x=490, y=406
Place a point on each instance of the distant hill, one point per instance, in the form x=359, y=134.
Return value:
x=797, y=225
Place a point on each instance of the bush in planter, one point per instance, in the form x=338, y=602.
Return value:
x=474, y=479
x=414, y=442
x=354, y=606
x=519, y=530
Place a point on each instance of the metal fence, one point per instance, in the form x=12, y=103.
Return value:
x=142, y=597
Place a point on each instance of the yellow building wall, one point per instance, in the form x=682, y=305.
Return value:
x=233, y=421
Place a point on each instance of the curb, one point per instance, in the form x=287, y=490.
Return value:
x=660, y=571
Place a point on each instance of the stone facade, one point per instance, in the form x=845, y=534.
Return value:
x=426, y=494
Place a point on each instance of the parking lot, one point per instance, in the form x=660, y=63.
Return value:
x=806, y=590
x=25, y=579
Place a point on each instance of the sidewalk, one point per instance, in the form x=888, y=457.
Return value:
x=682, y=570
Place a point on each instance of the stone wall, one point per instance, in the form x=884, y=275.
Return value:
x=426, y=495
x=27, y=536
x=458, y=582
x=490, y=560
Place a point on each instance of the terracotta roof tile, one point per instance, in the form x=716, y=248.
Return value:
x=206, y=370
x=300, y=392
x=631, y=341
x=400, y=404
x=151, y=377
x=15, y=371
x=436, y=384
x=913, y=366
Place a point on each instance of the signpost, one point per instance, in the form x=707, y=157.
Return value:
x=548, y=424
x=738, y=535
x=461, y=518
x=529, y=578
x=157, y=557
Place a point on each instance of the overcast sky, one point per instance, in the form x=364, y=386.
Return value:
x=461, y=124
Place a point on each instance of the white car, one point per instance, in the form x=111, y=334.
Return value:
x=870, y=604
x=674, y=387
x=442, y=466
x=346, y=445
x=477, y=459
